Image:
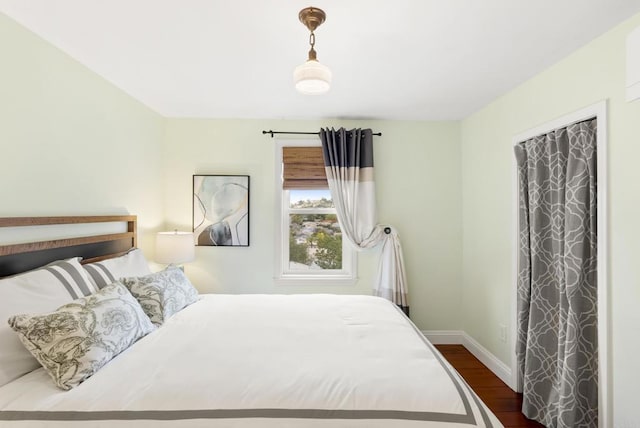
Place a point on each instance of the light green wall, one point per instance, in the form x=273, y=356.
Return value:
x=593, y=73
x=72, y=143
x=418, y=191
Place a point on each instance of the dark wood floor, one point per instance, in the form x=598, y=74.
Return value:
x=501, y=399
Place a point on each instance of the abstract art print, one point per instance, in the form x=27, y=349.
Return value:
x=221, y=210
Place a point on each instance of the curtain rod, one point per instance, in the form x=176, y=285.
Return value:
x=379, y=134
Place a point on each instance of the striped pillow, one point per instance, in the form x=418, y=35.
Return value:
x=109, y=271
x=39, y=290
x=73, y=278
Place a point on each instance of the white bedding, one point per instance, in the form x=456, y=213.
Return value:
x=263, y=361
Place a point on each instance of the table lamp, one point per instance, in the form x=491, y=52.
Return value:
x=174, y=248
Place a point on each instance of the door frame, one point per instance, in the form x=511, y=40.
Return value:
x=599, y=112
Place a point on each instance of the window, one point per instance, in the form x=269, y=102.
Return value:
x=311, y=246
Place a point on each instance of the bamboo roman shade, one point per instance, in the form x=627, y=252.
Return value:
x=303, y=168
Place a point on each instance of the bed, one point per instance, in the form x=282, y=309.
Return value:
x=246, y=361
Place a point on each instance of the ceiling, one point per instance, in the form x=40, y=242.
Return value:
x=400, y=59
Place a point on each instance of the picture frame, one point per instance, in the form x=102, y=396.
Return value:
x=221, y=210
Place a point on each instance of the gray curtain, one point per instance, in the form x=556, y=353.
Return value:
x=348, y=160
x=557, y=343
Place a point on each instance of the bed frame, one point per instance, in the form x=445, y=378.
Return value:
x=17, y=258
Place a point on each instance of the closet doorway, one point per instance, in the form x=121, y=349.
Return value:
x=560, y=293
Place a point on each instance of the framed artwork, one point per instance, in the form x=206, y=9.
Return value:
x=221, y=210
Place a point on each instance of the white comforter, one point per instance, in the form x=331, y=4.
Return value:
x=263, y=361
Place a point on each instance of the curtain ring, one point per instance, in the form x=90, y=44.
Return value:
x=387, y=230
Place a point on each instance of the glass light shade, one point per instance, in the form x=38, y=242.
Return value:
x=312, y=78
x=175, y=247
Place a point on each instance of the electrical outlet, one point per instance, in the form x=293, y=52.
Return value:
x=503, y=333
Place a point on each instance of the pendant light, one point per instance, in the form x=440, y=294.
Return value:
x=312, y=78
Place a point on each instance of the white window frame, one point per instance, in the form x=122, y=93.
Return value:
x=283, y=274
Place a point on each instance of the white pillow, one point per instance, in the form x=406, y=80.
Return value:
x=39, y=290
x=77, y=339
x=109, y=271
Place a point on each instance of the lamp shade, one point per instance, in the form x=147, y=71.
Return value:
x=175, y=247
x=312, y=78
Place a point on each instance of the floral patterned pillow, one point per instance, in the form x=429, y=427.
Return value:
x=75, y=341
x=163, y=293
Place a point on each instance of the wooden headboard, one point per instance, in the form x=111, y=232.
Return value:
x=17, y=258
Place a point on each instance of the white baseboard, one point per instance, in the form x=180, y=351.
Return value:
x=459, y=337
x=445, y=337
x=494, y=364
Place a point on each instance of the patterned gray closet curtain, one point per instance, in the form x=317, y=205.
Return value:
x=557, y=343
x=348, y=160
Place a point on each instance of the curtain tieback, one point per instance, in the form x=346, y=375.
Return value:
x=378, y=236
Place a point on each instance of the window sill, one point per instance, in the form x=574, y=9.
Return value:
x=316, y=280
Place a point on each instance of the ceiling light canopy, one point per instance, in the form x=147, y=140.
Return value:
x=311, y=77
